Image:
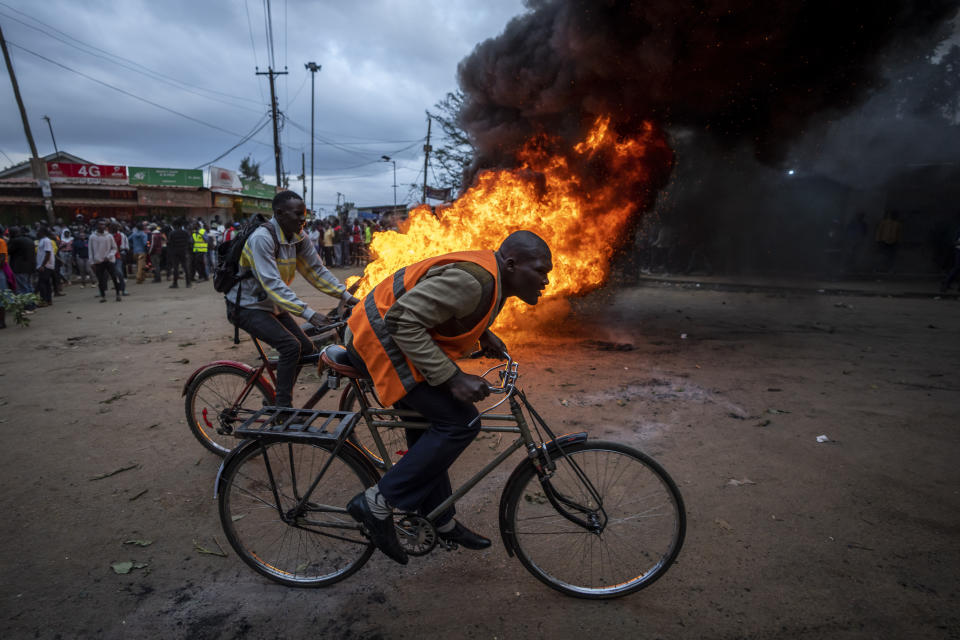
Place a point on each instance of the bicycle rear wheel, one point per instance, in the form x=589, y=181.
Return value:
x=317, y=547
x=394, y=438
x=635, y=530
x=214, y=403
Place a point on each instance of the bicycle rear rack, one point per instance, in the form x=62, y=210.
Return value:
x=298, y=423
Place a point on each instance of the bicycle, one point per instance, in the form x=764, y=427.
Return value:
x=219, y=396
x=591, y=519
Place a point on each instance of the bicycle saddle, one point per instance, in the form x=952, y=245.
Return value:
x=335, y=356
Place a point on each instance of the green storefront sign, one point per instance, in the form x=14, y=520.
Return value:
x=165, y=177
x=258, y=189
x=256, y=205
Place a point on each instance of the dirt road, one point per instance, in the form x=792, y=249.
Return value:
x=788, y=537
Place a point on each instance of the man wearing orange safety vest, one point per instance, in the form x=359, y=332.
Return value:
x=406, y=334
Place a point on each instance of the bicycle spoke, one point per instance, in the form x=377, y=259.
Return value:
x=638, y=522
x=315, y=547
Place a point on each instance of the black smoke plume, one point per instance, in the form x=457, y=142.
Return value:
x=743, y=71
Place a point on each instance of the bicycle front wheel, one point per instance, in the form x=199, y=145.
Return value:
x=631, y=521
x=314, y=546
x=216, y=404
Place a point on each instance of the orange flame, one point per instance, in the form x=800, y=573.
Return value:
x=582, y=202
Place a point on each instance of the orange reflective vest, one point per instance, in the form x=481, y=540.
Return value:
x=392, y=372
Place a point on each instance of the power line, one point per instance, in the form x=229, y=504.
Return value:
x=113, y=57
x=125, y=92
x=253, y=48
x=268, y=26
x=259, y=126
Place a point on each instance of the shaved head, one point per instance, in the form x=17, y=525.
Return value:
x=524, y=245
x=524, y=260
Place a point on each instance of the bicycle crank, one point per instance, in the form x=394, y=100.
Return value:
x=416, y=534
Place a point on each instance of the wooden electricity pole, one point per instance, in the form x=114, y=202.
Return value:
x=38, y=169
x=426, y=157
x=273, y=110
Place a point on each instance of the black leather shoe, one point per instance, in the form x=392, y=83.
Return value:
x=381, y=532
x=465, y=538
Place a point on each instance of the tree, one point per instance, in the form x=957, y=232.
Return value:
x=250, y=170
x=455, y=152
x=942, y=93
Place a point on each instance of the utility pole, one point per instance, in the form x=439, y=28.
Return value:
x=426, y=157
x=47, y=118
x=273, y=109
x=38, y=169
x=312, y=67
x=303, y=177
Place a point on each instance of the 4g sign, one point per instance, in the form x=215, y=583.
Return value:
x=89, y=173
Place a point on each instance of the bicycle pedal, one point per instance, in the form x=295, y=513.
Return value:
x=447, y=546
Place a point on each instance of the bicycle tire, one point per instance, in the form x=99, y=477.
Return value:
x=394, y=438
x=312, y=552
x=643, y=534
x=212, y=399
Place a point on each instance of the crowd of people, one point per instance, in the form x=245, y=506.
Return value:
x=43, y=258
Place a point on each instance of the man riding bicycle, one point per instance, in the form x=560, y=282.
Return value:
x=405, y=335
x=271, y=257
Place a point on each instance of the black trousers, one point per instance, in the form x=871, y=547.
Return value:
x=179, y=259
x=281, y=332
x=104, y=269
x=156, y=261
x=45, y=283
x=419, y=480
x=200, y=264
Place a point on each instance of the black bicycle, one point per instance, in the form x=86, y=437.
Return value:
x=589, y=518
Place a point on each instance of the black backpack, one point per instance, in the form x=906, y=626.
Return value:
x=225, y=274
x=228, y=255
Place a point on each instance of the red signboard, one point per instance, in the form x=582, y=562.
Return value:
x=86, y=173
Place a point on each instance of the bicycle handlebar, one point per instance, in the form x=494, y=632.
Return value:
x=507, y=378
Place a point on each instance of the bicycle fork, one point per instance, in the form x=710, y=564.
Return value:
x=595, y=518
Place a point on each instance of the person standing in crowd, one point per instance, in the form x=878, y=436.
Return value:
x=4, y=284
x=58, y=278
x=345, y=239
x=231, y=230
x=315, y=236
x=66, y=254
x=138, y=244
x=199, y=246
x=328, y=236
x=367, y=238
x=888, y=237
x=4, y=265
x=81, y=254
x=119, y=262
x=103, y=255
x=179, y=245
x=46, y=263
x=212, y=236
x=155, y=249
x=337, y=245
x=22, y=260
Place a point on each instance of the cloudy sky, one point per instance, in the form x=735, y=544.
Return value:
x=384, y=62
